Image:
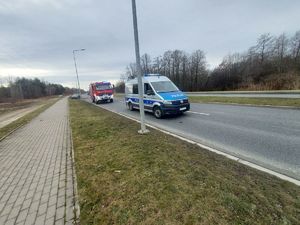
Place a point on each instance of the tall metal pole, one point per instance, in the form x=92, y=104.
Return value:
x=76, y=73
x=76, y=50
x=143, y=129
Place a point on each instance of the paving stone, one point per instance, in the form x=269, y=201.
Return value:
x=42, y=209
x=34, y=207
x=30, y=219
x=51, y=211
x=6, y=209
x=40, y=219
x=60, y=212
x=50, y=221
x=59, y=222
x=10, y=222
x=22, y=215
x=3, y=219
x=14, y=212
x=52, y=200
x=26, y=204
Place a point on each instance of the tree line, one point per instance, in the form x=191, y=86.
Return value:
x=24, y=88
x=272, y=63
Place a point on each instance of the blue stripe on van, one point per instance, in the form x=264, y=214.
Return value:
x=146, y=101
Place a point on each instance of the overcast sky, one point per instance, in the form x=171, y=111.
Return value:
x=37, y=36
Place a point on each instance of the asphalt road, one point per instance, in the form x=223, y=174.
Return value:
x=269, y=137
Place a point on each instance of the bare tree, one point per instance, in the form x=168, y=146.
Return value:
x=280, y=51
x=264, y=43
x=295, y=46
x=145, y=63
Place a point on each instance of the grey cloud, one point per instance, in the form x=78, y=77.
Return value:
x=42, y=34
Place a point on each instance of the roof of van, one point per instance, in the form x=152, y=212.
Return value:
x=150, y=78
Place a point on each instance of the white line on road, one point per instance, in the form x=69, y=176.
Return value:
x=205, y=114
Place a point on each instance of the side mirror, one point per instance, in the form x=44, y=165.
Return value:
x=149, y=92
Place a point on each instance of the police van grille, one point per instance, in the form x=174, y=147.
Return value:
x=179, y=102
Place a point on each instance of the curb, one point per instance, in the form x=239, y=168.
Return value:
x=76, y=208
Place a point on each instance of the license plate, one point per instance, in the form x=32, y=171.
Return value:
x=183, y=108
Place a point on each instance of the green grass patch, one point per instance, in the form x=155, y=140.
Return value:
x=245, y=100
x=127, y=178
x=27, y=118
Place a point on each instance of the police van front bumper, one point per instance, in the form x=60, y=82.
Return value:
x=175, y=109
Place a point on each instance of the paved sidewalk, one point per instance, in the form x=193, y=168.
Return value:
x=36, y=176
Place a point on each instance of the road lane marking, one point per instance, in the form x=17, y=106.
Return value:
x=205, y=114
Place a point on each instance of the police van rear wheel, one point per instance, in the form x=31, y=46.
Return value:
x=157, y=112
x=130, y=106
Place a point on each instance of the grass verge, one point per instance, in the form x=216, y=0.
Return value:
x=126, y=178
x=244, y=100
x=27, y=118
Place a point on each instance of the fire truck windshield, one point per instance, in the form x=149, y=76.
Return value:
x=101, y=87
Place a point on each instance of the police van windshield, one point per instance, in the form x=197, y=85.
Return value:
x=101, y=87
x=164, y=86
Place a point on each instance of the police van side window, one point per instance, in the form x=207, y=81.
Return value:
x=147, y=89
x=135, y=89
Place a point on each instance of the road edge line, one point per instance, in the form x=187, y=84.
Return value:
x=239, y=160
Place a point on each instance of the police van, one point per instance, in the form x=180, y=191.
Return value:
x=161, y=96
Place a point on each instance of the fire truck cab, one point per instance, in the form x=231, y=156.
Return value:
x=101, y=92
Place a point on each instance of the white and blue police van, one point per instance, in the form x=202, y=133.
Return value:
x=161, y=96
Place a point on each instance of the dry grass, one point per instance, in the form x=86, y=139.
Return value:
x=126, y=178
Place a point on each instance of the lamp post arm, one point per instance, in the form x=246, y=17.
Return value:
x=76, y=72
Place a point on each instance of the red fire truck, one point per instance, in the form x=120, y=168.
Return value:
x=101, y=92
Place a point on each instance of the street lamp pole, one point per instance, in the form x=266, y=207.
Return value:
x=78, y=85
x=143, y=129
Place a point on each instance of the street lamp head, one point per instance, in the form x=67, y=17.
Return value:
x=77, y=50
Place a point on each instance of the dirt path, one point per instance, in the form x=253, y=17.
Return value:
x=9, y=117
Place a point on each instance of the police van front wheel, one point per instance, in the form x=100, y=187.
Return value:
x=157, y=112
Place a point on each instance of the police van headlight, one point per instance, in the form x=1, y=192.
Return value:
x=167, y=102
